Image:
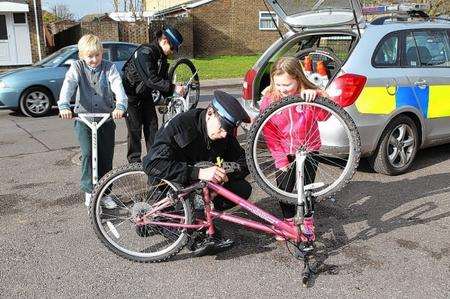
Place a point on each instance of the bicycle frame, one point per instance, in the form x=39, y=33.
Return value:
x=287, y=229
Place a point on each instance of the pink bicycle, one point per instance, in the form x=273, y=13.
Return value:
x=156, y=219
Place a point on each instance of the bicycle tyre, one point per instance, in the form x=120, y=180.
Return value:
x=195, y=82
x=342, y=116
x=107, y=182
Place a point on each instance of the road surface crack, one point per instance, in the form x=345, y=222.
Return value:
x=31, y=135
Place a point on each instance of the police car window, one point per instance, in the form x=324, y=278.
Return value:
x=432, y=48
x=387, y=52
x=411, y=56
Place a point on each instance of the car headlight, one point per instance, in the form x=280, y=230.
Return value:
x=3, y=84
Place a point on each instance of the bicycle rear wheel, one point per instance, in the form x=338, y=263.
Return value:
x=321, y=129
x=125, y=230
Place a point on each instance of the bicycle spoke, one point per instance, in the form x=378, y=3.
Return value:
x=292, y=126
x=127, y=230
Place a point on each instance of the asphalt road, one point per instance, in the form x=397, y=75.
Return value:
x=382, y=237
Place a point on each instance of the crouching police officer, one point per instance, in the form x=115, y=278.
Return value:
x=202, y=135
x=144, y=72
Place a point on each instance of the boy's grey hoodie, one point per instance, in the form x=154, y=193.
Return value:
x=95, y=88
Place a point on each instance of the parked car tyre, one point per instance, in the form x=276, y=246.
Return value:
x=397, y=148
x=36, y=102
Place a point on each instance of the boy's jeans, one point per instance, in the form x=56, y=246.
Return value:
x=105, y=151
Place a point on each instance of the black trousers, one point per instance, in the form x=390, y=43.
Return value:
x=141, y=117
x=239, y=187
x=286, y=180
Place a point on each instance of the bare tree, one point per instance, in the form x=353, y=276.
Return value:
x=62, y=12
x=116, y=5
x=133, y=6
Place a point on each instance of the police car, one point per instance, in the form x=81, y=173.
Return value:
x=394, y=72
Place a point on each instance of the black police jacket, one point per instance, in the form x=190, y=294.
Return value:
x=147, y=70
x=183, y=142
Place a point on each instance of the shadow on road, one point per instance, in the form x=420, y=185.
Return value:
x=379, y=208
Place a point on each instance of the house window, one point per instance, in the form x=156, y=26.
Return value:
x=3, y=30
x=19, y=18
x=266, y=22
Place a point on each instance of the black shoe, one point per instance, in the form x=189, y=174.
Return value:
x=210, y=245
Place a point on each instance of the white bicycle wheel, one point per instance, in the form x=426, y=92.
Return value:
x=321, y=129
x=125, y=230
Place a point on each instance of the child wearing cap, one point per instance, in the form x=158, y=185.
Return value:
x=96, y=83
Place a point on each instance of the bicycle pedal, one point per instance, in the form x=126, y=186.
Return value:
x=212, y=246
x=195, y=238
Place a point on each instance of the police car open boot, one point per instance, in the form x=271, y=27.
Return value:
x=202, y=244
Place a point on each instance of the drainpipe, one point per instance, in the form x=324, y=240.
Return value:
x=37, y=30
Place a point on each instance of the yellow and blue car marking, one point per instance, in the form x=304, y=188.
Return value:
x=432, y=101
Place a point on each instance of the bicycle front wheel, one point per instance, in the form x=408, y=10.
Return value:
x=322, y=130
x=183, y=71
x=125, y=230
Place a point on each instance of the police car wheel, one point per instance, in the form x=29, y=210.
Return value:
x=397, y=148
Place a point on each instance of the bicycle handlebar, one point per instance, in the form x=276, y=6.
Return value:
x=125, y=114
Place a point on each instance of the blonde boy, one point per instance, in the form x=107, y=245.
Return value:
x=96, y=83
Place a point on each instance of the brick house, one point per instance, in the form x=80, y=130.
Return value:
x=101, y=25
x=226, y=27
x=21, y=33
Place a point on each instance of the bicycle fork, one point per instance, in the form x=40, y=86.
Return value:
x=304, y=217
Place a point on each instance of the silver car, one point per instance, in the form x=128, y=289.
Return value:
x=394, y=72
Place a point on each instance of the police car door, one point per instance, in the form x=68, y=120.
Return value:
x=427, y=62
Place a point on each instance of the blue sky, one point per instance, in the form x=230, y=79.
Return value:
x=82, y=7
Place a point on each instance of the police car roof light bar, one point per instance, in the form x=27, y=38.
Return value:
x=395, y=8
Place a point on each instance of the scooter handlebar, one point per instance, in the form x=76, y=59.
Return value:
x=95, y=114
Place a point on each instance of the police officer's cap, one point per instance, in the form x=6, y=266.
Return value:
x=174, y=36
x=229, y=109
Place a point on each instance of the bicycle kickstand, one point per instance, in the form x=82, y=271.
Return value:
x=307, y=271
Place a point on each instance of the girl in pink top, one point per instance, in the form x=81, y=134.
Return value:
x=292, y=128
